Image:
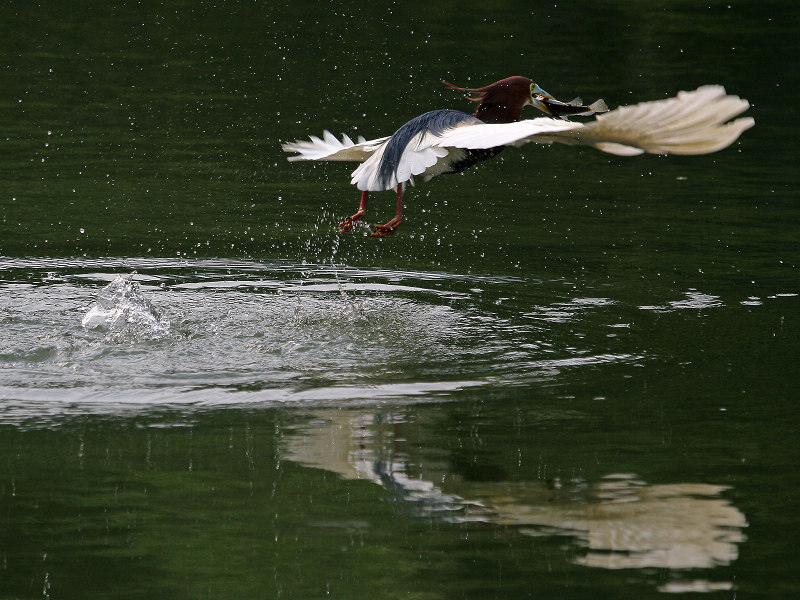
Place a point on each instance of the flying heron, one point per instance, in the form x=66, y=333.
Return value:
x=449, y=141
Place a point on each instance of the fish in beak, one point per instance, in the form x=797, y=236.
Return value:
x=563, y=110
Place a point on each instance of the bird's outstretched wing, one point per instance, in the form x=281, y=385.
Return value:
x=330, y=148
x=696, y=122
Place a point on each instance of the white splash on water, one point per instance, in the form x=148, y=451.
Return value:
x=122, y=307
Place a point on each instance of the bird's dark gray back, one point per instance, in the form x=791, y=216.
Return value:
x=435, y=122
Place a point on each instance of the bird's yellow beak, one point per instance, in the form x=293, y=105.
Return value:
x=537, y=94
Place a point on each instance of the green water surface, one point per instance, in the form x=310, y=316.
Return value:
x=569, y=375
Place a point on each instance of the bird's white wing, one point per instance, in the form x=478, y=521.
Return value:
x=421, y=154
x=695, y=122
x=330, y=148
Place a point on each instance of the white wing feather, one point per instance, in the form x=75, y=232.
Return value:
x=365, y=177
x=422, y=152
x=329, y=148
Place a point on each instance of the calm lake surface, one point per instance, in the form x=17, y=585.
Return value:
x=569, y=375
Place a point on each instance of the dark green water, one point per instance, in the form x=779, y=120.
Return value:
x=569, y=375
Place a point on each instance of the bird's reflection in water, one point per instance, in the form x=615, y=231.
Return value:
x=627, y=524
x=622, y=522
x=363, y=445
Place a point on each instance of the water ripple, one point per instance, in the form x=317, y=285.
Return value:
x=221, y=332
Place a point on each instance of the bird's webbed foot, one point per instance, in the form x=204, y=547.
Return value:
x=347, y=224
x=387, y=229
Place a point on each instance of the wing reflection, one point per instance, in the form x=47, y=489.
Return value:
x=623, y=522
x=627, y=524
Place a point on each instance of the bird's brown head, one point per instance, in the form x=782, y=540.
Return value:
x=503, y=101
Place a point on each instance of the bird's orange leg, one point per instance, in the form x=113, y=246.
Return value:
x=348, y=223
x=390, y=227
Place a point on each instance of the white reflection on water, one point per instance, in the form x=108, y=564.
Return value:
x=627, y=524
x=359, y=445
x=621, y=521
x=561, y=312
x=693, y=300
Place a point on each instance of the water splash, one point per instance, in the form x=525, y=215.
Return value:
x=122, y=310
